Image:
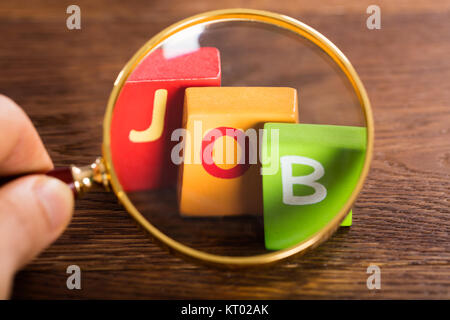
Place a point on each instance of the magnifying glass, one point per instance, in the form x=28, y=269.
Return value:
x=235, y=137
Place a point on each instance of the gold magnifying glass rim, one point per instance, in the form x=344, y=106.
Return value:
x=278, y=20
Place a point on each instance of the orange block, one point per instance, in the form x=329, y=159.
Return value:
x=220, y=175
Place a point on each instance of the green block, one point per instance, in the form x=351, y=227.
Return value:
x=309, y=172
x=348, y=220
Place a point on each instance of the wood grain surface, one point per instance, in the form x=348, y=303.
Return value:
x=401, y=223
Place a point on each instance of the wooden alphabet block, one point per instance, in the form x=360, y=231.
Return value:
x=318, y=168
x=149, y=108
x=222, y=124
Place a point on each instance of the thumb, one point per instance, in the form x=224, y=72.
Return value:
x=34, y=210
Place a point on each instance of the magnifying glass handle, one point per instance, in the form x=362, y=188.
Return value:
x=65, y=175
x=79, y=179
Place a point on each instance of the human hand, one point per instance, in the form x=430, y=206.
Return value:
x=34, y=209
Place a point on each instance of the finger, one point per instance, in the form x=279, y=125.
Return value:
x=21, y=147
x=34, y=210
x=5, y=284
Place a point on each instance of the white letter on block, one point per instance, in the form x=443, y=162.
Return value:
x=288, y=181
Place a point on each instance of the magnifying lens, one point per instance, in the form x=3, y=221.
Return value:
x=235, y=137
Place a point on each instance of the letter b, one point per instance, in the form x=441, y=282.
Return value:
x=288, y=181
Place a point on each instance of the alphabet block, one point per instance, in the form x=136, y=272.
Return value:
x=318, y=168
x=216, y=120
x=149, y=108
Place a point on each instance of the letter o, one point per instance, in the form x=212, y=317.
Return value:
x=215, y=170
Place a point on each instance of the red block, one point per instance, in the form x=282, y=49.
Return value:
x=142, y=160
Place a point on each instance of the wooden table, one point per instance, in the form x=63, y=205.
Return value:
x=63, y=78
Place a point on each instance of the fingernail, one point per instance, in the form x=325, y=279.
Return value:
x=56, y=199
